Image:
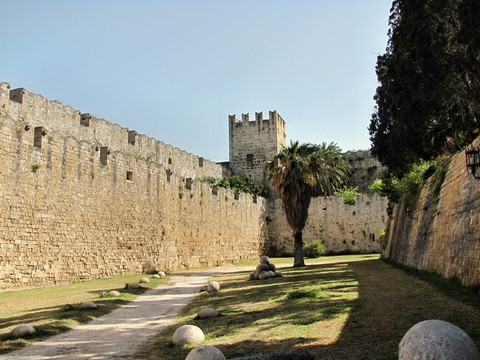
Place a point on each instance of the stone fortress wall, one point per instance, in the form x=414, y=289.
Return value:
x=81, y=198
x=441, y=233
x=343, y=228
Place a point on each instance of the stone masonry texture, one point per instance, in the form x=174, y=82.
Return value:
x=442, y=232
x=66, y=216
x=82, y=198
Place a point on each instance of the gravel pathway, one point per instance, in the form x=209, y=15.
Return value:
x=117, y=335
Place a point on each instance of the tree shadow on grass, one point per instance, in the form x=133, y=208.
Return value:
x=260, y=309
x=390, y=302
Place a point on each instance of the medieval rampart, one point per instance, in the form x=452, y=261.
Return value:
x=441, y=233
x=343, y=228
x=83, y=198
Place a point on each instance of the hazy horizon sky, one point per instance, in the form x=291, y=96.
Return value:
x=174, y=70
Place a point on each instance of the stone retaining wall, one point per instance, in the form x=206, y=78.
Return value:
x=441, y=233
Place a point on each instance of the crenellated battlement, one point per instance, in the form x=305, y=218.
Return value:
x=33, y=111
x=274, y=118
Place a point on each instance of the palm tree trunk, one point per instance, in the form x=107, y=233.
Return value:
x=298, y=258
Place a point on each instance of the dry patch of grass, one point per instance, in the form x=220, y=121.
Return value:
x=43, y=307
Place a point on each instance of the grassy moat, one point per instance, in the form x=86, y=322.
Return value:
x=339, y=307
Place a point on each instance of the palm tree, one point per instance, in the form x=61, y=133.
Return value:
x=300, y=172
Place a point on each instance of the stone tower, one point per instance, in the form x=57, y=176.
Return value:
x=254, y=143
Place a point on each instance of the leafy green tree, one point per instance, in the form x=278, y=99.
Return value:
x=300, y=172
x=427, y=102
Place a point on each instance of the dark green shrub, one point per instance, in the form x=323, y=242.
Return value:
x=314, y=249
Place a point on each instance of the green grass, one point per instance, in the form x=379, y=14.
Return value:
x=338, y=307
x=342, y=307
x=43, y=307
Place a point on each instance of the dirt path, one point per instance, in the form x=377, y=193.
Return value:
x=120, y=333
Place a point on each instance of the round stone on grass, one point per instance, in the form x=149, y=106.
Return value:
x=132, y=286
x=161, y=274
x=144, y=280
x=437, y=339
x=22, y=331
x=262, y=267
x=188, y=334
x=264, y=260
x=207, y=313
x=213, y=287
x=114, y=293
x=89, y=305
x=264, y=275
x=205, y=352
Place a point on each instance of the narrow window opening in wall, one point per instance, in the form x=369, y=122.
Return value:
x=130, y=175
x=38, y=135
x=254, y=199
x=169, y=173
x=250, y=159
x=236, y=196
x=169, y=161
x=188, y=184
x=215, y=190
x=132, y=134
x=104, y=155
x=85, y=119
x=200, y=161
x=17, y=95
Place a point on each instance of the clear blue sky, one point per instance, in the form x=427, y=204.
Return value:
x=175, y=69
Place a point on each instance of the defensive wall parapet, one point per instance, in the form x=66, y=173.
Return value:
x=35, y=111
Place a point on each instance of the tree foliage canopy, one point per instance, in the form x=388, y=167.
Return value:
x=428, y=100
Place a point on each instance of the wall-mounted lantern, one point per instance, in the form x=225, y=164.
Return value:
x=472, y=158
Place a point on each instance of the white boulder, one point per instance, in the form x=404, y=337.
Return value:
x=213, y=286
x=156, y=276
x=114, y=293
x=188, y=334
x=205, y=352
x=22, y=331
x=437, y=339
x=132, y=286
x=145, y=280
x=88, y=305
x=161, y=274
x=207, y=313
